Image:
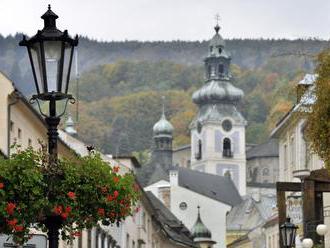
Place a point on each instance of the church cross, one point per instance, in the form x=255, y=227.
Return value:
x=217, y=18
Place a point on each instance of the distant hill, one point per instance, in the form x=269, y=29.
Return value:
x=245, y=53
x=121, y=85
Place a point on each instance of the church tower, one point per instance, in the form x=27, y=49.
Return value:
x=218, y=130
x=162, y=136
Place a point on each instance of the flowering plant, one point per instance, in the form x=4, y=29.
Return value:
x=75, y=193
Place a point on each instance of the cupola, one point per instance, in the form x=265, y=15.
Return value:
x=201, y=234
x=163, y=127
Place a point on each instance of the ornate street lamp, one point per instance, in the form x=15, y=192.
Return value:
x=51, y=52
x=288, y=233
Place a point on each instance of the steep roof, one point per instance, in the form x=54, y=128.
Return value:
x=216, y=187
x=171, y=226
x=158, y=174
x=267, y=149
x=251, y=213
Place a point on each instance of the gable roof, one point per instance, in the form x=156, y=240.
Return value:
x=216, y=187
x=267, y=149
x=171, y=226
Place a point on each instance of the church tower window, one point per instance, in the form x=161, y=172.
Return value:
x=198, y=154
x=227, y=148
x=221, y=69
x=220, y=50
x=209, y=70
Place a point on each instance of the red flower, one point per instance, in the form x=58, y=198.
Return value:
x=101, y=212
x=116, y=169
x=137, y=209
x=76, y=234
x=64, y=216
x=58, y=210
x=18, y=228
x=109, y=198
x=12, y=222
x=68, y=209
x=116, y=179
x=115, y=194
x=10, y=208
x=71, y=195
x=2, y=185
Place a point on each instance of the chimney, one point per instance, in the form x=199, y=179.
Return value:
x=174, y=177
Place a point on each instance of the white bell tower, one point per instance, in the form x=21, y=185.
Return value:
x=218, y=130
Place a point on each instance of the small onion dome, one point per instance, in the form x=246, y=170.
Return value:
x=69, y=126
x=216, y=92
x=163, y=126
x=200, y=231
x=217, y=40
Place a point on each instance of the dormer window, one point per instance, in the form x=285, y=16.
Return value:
x=226, y=152
x=220, y=50
x=211, y=49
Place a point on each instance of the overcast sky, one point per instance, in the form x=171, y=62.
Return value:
x=172, y=19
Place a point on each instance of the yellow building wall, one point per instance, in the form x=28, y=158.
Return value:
x=6, y=89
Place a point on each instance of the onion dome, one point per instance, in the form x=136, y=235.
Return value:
x=199, y=231
x=217, y=39
x=163, y=126
x=216, y=92
x=69, y=126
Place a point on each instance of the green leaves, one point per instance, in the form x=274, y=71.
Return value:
x=319, y=119
x=85, y=191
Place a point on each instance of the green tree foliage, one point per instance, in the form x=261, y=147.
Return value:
x=122, y=101
x=319, y=118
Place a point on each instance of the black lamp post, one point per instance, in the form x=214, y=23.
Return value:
x=288, y=233
x=51, y=52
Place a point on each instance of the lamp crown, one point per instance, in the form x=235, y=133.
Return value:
x=49, y=18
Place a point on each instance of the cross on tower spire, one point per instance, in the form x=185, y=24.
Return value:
x=163, y=105
x=217, y=27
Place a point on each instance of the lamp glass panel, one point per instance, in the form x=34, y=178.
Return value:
x=52, y=60
x=284, y=237
x=66, y=66
x=289, y=236
x=36, y=61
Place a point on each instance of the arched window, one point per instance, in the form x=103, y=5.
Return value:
x=265, y=172
x=198, y=154
x=209, y=70
x=227, y=148
x=220, y=69
x=220, y=50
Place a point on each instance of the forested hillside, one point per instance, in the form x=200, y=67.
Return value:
x=121, y=84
